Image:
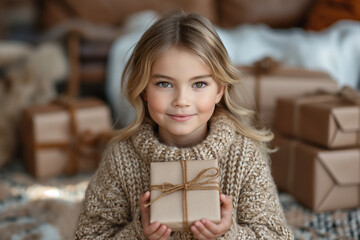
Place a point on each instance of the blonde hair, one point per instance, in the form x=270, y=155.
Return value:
x=197, y=35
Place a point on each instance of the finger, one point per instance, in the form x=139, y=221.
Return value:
x=159, y=232
x=166, y=235
x=226, y=201
x=226, y=213
x=145, y=198
x=151, y=228
x=226, y=207
x=203, y=230
x=145, y=211
x=197, y=234
x=215, y=229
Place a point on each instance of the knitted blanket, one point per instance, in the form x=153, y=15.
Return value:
x=33, y=209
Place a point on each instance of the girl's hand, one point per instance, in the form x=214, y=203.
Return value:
x=155, y=230
x=206, y=229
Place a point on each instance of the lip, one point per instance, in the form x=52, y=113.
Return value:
x=181, y=118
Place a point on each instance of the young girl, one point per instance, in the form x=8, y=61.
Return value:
x=179, y=78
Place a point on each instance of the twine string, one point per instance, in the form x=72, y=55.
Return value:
x=262, y=67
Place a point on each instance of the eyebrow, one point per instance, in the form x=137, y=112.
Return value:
x=157, y=75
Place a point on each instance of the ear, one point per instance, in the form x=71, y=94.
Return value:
x=220, y=93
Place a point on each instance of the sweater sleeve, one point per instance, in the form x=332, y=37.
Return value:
x=258, y=214
x=106, y=211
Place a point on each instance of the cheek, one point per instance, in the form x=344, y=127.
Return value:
x=205, y=104
x=156, y=103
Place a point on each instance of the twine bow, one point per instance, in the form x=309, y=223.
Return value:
x=348, y=94
x=265, y=66
x=195, y=184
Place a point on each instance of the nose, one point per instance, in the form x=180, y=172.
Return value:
x=182, y=98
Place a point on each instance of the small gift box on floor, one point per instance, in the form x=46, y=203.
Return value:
x=332, y=120
x=268, y=80
x=65, y=137
x=321, y=179
x=183, y=192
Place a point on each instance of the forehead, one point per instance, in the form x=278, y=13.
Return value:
x=177, y=60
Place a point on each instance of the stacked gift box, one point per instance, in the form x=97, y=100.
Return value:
x=318, y=161
x=66, y=136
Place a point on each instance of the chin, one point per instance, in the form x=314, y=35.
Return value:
x=181, y=133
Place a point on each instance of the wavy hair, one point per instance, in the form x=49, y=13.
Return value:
x=197, y=35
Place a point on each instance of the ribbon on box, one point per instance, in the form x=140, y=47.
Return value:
x=349, y=94
x=262, y=67
x=194, y=184
x=84, y=143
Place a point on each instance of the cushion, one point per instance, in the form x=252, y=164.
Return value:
x=114, y=12
x=275, y=13
x=326, y=12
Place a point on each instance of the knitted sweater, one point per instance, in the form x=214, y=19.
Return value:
x=111, y=207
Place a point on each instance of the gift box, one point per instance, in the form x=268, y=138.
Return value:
x=330, y=121
x=320, y=179
x=267, y=81
x=65, y=137
x=176, y=207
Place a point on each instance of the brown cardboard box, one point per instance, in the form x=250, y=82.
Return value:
x=269, y=85
x=320, y=179
x=325, y=120
x=169, y=209
x=56, y=144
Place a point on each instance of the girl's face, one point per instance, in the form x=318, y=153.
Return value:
x=181, y=97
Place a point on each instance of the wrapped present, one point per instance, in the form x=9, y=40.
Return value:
x=320, y=179
x=65, y=137
x=183, y=192
x=331, y=120
x=267, y=81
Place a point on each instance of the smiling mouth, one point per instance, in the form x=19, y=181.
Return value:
x=181, y=118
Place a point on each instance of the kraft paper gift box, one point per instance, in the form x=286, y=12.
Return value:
x=57, y=142
x=326, y=120
x=267, y=83
x=320, y=179
x=169, y=209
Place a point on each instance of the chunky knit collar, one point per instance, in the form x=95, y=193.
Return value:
x=220, y=137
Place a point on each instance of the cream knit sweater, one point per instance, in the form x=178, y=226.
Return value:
x=111, y=207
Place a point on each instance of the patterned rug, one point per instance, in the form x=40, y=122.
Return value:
x=48, y=209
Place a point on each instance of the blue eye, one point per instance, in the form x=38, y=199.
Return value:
x=164, y=84
x=199, y=85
